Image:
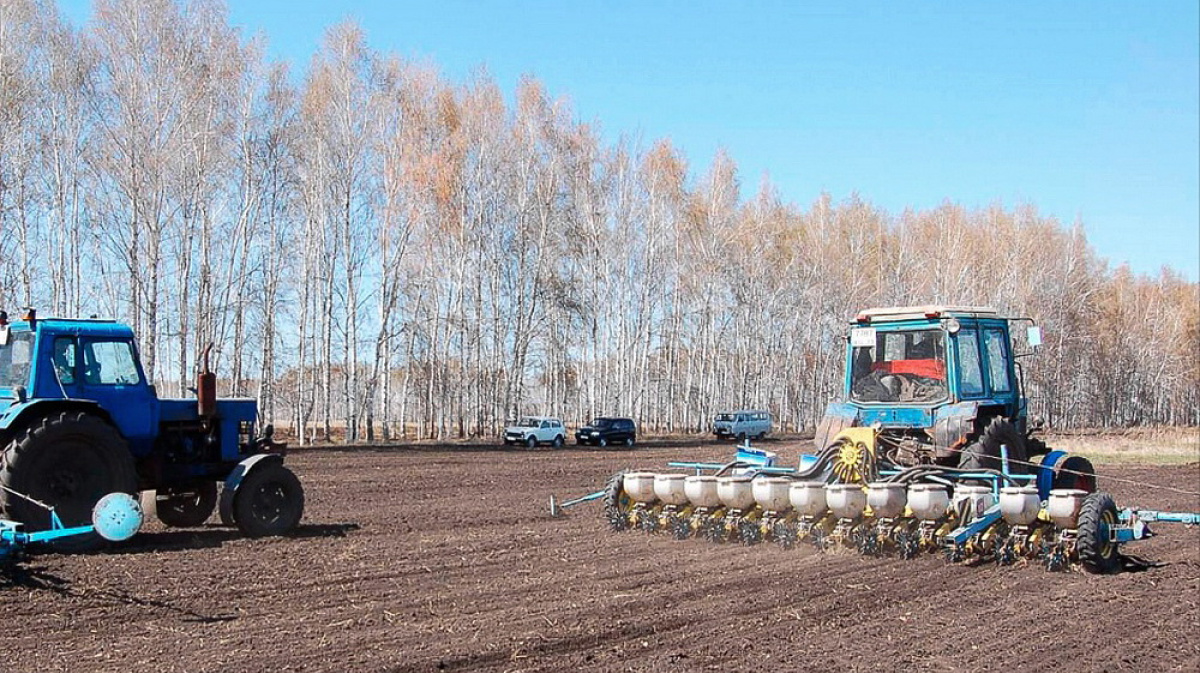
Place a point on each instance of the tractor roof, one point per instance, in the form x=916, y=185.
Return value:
x=90, y=327
x=924, y=312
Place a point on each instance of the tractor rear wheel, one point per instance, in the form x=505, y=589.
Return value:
x=68, y=460
x=1097, y=517
x=186, y=507
x=1074, y=472
x=984, y=452
x=269, y=501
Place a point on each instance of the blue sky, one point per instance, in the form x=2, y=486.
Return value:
x=1089, y=110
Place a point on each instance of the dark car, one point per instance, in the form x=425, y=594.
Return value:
x=607, y=430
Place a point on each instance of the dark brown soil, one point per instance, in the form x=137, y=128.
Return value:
x=446, y=558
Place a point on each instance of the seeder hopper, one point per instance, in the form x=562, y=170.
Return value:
x=849, y=496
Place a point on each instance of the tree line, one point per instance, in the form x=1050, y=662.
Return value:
x=379, y=252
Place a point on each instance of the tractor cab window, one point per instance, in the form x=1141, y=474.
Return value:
x=997, y=356
x=110, y=363
x=898, y=366
x=15, y=358
x=970, y=370
x=64, y=360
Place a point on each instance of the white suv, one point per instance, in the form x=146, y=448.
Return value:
x=742, y=424
x=534, y=430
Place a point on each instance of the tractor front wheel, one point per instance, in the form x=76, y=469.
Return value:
x=185, y=507
x=68, y=461
x=269, y=501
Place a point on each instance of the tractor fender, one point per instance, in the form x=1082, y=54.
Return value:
x=17, y=417
x=838, y=416
x=235, y=478
x=952, y=425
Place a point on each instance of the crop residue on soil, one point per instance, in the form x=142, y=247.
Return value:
x=430, y=559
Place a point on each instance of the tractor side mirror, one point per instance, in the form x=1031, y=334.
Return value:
x=1034, y=336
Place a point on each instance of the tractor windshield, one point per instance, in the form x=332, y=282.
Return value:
x=898, y=366
x=15, y=357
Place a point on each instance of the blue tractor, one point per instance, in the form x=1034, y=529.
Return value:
x=79, y=419
x=941, y=386
x=930, y=449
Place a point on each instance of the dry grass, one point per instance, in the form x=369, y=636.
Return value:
x=1154, y=446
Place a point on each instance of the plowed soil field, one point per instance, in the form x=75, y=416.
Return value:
x=445, y=558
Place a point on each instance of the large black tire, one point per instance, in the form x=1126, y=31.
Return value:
x=629, y=441
x=559, y=441
x=269, y=501
x=530, y=442
x=984, y=452
x=1075, y=472
x=68, y=460
x=1097, y=516
x=602, y=442
x=186, y=507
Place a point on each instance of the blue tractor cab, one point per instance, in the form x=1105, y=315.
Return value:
x=941, y=385
x=80, y=419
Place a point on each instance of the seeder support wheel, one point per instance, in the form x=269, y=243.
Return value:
x=1097, y=551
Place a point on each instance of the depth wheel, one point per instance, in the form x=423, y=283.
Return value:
x=186, y=507
x=269, y=501
x=617, y=503
x=69, y=461
x=1097, y=517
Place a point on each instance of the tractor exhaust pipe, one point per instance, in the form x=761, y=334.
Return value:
x=206, y=387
